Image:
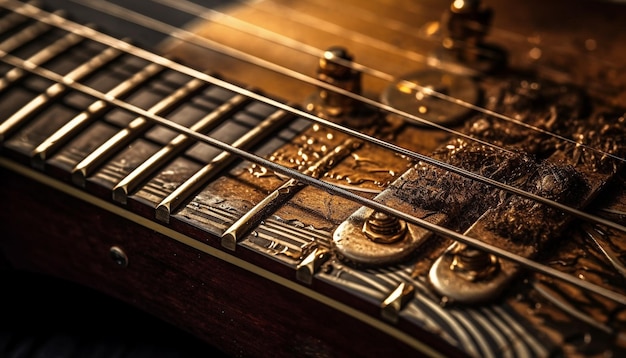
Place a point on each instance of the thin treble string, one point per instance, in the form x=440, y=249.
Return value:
x=504, y=35
x=372, y=17
x=333, y=29
x=390, y=24
x=152, y=57
x=258, y=31
x=331, y=188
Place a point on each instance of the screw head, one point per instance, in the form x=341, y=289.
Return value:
x=383, y=228
x=118, y=256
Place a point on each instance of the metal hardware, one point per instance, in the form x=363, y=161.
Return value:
x=396, y=301
x=464, y=26
x=467, y=275
x=352, y=244
x=119, y=256
x=473, y=264
x=328, y=104
x=382, y=228
x=310, y=265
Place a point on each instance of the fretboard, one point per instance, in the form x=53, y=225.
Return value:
x=121, y=157
x=113, y=152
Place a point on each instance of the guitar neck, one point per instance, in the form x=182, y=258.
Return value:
x=255, y=213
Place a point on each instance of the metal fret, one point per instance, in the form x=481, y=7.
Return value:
x=41, y=57
x=55, y=90
x=278, y=197
x=217, y=165
x=10, y=21
x=22, y=37
x=174, y=147
x=67, y=131
x=134, y=128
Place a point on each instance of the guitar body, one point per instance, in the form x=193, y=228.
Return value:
x=290, y=284
x=213, y=308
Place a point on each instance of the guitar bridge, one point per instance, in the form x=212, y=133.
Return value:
x=518, y=140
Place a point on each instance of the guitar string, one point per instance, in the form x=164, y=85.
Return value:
x=125, y=13
x=192, y=38
x=257, y=31
x=368, y=16
x=504, y=35
x=191, y=72
x=522, y=261
x=333, y=28
x=113, y=42
x=305, y=19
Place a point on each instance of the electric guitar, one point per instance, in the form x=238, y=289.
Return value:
x=315, y=178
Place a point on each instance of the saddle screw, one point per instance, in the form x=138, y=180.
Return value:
x=383, y=228
x=474, y=264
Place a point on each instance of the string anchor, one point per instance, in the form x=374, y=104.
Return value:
x=465, y=274
x=334, y=68
x=372, y=238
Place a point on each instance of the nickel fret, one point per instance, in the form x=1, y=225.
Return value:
x=174, y=147
x=66, y=132
x=215, y=167
x=83, y=169
x=41, y=57
x=55, y=91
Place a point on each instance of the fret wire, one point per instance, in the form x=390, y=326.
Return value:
x=66, y=132
x=195, y=39
x=41, y=57
x=260, y=32
x=55, y=90
x=24, y=36
x=136, y=127
x=149, y=56
x=133, y=179
x=182, y=193
x=530, y=264
x=10, y=20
